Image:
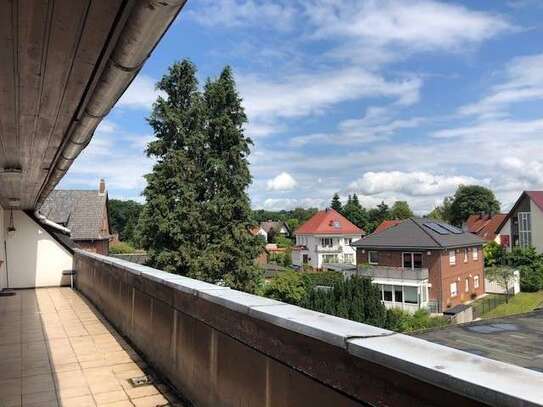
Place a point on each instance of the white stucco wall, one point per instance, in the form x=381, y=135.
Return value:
x=2, y=251
x=35, y=259
x=537, y=227
x=312, y=242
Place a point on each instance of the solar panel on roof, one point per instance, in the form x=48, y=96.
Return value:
x=436, y=227
x=452, y=229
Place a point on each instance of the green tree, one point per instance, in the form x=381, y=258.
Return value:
x=504, y=276
x=495, y=254
x=401, y=210
x=470, y=199
x=124, y=217
x=377, y=215
x=442, y=212
x=287, y=286
x=355, y=212
x=336, y=203
x=197, y=217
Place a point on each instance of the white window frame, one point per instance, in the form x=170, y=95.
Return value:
x=476, y=282
x=348, y=256
x=374, y=263
x=524, y=229
x=454, y=292
x=452, y=257
x=325, y=240
x=466, y=255
x=475, y=253
x=466, y=287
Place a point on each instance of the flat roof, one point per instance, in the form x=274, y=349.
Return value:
x=516, y=339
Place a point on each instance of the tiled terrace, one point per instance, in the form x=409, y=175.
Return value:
x=57, y=350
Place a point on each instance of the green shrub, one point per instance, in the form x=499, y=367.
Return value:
x=324, y=278
x=283, y=241
x=121, y=248
x=531, y=278
x=495, y=254
x=287, y=286
x=402, y=321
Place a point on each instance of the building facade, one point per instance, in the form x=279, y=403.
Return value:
x=325, y=238
x=523, y=225
x=423, y=264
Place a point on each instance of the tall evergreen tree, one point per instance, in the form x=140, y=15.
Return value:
x=355, y=212
x=197, y=215
x=336, y=203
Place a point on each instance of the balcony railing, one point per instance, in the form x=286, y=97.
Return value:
x=330, y=249
x=393, y=273
x=222, y=347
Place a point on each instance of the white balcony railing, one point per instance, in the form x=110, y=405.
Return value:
x=330, y=249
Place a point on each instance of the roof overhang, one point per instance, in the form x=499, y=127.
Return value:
x=64, y=65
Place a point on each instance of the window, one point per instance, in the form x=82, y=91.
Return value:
x=475, y=253
x=373, y=257
x=329, y=258
x=348, y=258
x=411, y=296
x=476, y=282
x=387, y=293
x=348, y=241
x=412, y=260
x=454, y=289
x=525, y=229
x=465, y=255
x=452, y=257
x=398, y=296
x=466, y=285
x=327, y=242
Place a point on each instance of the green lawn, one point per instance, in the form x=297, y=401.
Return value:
x=522, y=302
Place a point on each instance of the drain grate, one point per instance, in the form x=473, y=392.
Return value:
x=140, y=381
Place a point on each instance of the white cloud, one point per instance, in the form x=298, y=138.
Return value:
x=282, y=182
x=524, y=82
x=386, y=25
x=377, y=124
x=141, y=94
x=409, y=183
x=311, y=93
x=275, y=204
x=239, y=13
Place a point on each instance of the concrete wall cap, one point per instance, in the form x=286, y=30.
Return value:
x=236, y=300
x=327, y=328
x=486, y=380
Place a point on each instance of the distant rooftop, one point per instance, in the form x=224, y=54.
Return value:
x=420, y=233
x=515, y=339
x=330, y=222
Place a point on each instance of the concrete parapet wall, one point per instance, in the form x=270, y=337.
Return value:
x=222, y=347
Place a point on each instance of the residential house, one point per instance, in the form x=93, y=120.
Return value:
x=423, y=263
x=84, y=213
x=325, y=239
x=258, y=230
x=275, y=227
x=523, y=225
x=485, y=225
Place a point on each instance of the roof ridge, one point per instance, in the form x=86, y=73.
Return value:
x=428, y=234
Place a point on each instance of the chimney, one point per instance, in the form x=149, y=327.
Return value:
x=102, y=187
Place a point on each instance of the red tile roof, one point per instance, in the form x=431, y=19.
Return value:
x=485, y=226
x=328, y=222
x=387, y=224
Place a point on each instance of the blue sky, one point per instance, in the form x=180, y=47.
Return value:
x=387, y=100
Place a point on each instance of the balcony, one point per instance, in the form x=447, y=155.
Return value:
x=393, y=273
x=220, y=347
x=329, y=249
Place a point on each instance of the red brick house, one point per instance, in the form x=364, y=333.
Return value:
x=85, y=213
x=423, y=263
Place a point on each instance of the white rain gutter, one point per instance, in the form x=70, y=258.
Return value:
x=43, y=219
x=145, y=25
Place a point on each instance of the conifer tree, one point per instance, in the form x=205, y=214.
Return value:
x=336, y=203
x=196, y=219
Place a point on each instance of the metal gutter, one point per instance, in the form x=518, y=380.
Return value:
x=145, y=25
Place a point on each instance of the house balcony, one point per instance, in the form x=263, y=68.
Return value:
x=214, y=346
x=330, y=249
x=393, y=273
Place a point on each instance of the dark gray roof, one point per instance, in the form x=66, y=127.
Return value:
x=267, y=226
x=516, y=339
x=414, y=233
x=81, y=211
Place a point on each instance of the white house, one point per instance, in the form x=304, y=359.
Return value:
x=325, y=239
x=523, y=226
